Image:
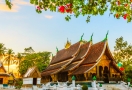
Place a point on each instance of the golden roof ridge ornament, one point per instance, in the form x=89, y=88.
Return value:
x=68, y=44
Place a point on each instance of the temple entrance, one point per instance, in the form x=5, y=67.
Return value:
x=63, y=76
x=100, y=71
x=106, y=74
x=34, y=81
x=1, y=80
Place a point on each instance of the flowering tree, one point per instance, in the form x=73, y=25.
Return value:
x=118, y=8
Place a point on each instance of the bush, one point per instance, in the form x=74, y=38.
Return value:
x=18, y=83
x=84, y=87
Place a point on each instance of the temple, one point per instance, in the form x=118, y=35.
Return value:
x=84, y=61
x=4, y=76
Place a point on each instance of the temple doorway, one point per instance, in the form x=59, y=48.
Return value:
x=34, y=81
x=63, y=76
x=100, y=71
x=106, y=74
x=1, y=80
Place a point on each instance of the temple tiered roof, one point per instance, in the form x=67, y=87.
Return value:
x=62, y=58
x=79, y=58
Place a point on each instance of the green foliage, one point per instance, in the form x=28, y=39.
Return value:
x=9, y=58
x=119, y=8
x=8, y=3
x=18, y=84
x=28, y=50
x=2, y=49
x=40, y=59
x=122, y=53
x=84, y=87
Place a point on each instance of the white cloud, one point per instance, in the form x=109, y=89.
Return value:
x=48, y=16
x=15, y=7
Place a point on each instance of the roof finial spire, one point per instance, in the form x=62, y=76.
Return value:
x=57, y=49
x=91, y=38
x=81, y=37
x=68, y=44
x=106, y=37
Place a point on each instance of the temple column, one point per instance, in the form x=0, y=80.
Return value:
x=54, y=77
x=97, y=70
x=69, y=78
x=85, y=75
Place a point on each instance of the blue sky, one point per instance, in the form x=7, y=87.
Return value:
x=22, y=27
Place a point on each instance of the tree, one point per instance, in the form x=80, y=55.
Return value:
x=2, y=50
x=29, y=50
x=123, y=53
x=119, y=8
x=8, y=3
x=40, y=59
x=19, y=58
x=9, y=58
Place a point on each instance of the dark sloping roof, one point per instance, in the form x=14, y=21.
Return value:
x=83, y=50
x=81, y=69
x=46, y=73
x=94, y=52
x=69, y=67
x=93, y=55
x=56, y=66
x=65, y=54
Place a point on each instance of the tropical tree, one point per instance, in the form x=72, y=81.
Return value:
x=28, y=50
x=19, y=58
x=123, y=53
x=9, y=58
x=2, y=50
x=43, y=61
x=40, y=59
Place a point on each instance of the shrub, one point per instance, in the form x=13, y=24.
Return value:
x=84, y=87
x=18, y=83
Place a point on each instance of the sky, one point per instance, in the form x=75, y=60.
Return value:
x=22, y=27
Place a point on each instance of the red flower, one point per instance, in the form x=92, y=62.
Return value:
x=117, y=15
x=125, y=16
x=62, y=9
x=69, y=8
x=122, y=69
x=69, y=5
x=38, y=7
x=118, y=2
x=125, y=5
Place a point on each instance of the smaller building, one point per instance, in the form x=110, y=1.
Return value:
x=4, y=76
x=31, y=77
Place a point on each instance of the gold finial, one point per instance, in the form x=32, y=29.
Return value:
x=68, y=44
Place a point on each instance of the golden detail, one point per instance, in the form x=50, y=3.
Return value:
x=68, y=44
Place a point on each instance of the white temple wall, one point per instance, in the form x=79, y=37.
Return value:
x=38, y=80
x=27, y=80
